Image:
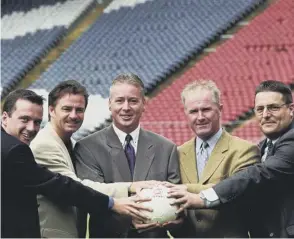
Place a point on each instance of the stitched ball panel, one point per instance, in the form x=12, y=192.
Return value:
x=162, y=210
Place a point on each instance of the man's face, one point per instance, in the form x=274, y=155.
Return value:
x=68, y=114
x=126, y=104
x=273, y=115
x=202, y=113
x=24, y=122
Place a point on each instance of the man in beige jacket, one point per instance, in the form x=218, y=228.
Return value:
x=211, y=156
x=53, y=147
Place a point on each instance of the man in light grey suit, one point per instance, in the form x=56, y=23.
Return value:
x=125, y=152
x=53, y=149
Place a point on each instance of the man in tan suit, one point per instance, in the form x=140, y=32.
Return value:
x=210, y=157
x=53, y=148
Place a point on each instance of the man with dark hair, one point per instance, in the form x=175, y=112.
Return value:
x=22, y=179
x=53, y=149
x=268, y=184
x=125, y=152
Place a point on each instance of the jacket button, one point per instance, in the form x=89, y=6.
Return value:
x=271, y=234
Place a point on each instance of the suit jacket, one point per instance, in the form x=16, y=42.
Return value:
x=229, y=155
x=101, y=158
x=60, y=220
x=270, y=184
x=22, y=179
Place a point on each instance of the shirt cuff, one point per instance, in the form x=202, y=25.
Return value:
x=110, y=203
x=211, y=197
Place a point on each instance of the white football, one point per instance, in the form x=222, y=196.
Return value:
x=162, y=210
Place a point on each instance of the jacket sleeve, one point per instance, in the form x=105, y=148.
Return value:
x=276, y=171
x=173, y=167
x=52, y=158
x=56, y=187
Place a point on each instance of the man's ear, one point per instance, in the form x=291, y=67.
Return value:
x=4, y=118
x=50, y=110
x=109, y=104
x=291, y=107
x=144, y=103
x=220, y=107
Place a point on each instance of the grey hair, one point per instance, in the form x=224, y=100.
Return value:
x=202, y=84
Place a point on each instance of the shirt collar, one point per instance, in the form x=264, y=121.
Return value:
x=273, y=141
x=211, y=141
x=122, y=135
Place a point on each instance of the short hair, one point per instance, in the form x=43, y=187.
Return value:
x=203, y=85
x=276, y=86
x=21, y=94
x=129, y=78
x=67, y=87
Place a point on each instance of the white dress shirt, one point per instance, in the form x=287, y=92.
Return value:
x=266, y=149
x=122, y=137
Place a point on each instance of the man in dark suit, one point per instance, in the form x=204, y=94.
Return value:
x=268, y=184
x=22, y=179
x=125, y=152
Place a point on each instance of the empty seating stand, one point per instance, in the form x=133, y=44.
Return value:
x=151, y=39
x=263, y=50
x=29, y=30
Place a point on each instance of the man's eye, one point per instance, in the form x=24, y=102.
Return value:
x=274, y=108
x=24, y=120
x=80, y=110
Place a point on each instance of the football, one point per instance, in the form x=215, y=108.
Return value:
x=162, y=210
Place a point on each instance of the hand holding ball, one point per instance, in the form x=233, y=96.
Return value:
x=160, y=203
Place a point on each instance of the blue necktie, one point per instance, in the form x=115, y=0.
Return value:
x=130, y=153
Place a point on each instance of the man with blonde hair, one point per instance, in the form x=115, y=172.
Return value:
x=125, y=152
x=212, y=155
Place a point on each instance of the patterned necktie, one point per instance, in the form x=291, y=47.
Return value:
x=202, y=158
x=130, y=153
x=270, y=147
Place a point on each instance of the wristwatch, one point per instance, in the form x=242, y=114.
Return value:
x=209, y=198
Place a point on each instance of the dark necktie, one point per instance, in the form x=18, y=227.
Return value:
x=270, y=147
x=130, y=153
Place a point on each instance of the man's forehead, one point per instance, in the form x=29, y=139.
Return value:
x=268, y=97
x=71, y=100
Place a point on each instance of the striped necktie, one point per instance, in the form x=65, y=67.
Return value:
x=270, y=147
x=202, y=158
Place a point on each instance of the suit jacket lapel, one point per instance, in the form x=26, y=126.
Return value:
x=52, y=134
x=144, y=157
x=117, y=154
x=188, y=161
x=217, y=156
x=262, y=146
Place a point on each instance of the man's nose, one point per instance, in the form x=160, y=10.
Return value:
x=30, y=126
x=265, y=113
x=126, y=105
x=200, y=115
x=73, y=114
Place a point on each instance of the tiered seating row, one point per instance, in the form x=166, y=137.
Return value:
x=151, y=39
x=29, y=30
x=253, y=55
